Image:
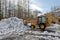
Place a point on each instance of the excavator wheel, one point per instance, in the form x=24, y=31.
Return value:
x=42, y=27
x=32, y=26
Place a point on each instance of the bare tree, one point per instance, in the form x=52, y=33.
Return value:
x=0, y=6
x=22, y=8
x=35, y=13
x=0, y=11
x=28, y=8
x=19, y=9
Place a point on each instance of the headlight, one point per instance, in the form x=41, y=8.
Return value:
x=29, y=24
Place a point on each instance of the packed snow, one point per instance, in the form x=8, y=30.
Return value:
x=14, y=29
x=54, y=27
x=10, y=25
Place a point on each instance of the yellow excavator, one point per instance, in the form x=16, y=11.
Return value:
x=41, y=22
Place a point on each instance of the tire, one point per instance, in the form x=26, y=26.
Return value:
x=42, y=27
x=32, y=26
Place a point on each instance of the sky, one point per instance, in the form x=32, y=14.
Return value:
x=44, y=5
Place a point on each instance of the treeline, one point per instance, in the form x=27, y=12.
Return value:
x=20, y=9
x=11, y=9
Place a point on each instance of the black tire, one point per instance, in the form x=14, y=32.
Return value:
x=42, y=27
x=32, y=26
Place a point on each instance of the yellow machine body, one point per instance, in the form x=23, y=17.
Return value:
x=34, y=22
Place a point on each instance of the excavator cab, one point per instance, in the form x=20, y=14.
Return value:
x=42, y=22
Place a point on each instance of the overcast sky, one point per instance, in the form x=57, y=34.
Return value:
x=45, y=5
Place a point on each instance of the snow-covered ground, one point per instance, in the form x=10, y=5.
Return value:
x=54, y=27
x=33, y=35
x=14, y=29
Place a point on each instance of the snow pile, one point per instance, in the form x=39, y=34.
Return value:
x=10, y=25
x=54, y=27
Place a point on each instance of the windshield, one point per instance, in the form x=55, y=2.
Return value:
x=43, y=19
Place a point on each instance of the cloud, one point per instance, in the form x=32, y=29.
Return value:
x=35, y=7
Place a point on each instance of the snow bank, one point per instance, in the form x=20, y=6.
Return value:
x=54, y=27
x=10, y=25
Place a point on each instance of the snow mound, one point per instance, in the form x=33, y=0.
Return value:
x=54, y=27
x=10, y=25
